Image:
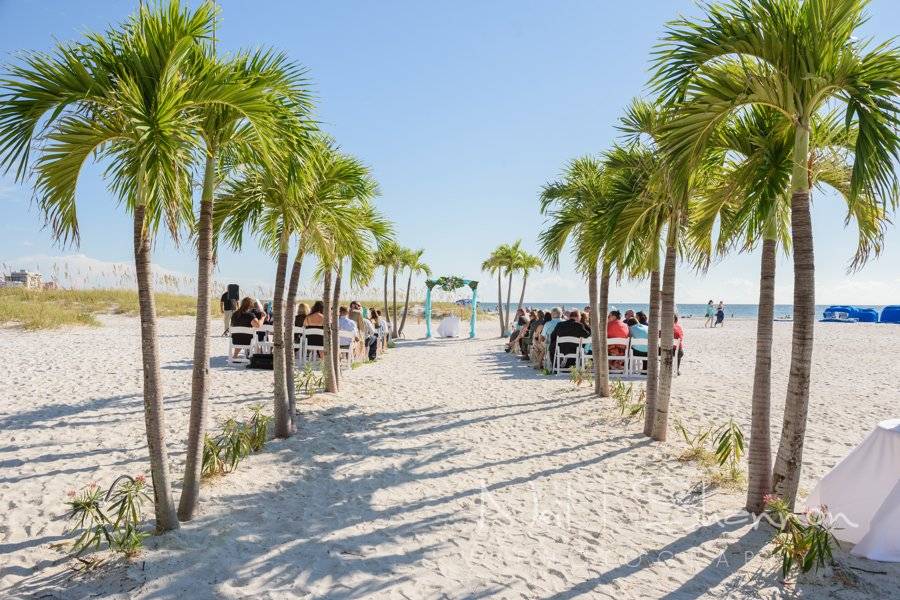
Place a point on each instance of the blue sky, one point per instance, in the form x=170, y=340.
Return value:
x=463, y=110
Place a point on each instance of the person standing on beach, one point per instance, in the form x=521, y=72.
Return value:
x=710, y=314
x=720, y=314
x=227, y=305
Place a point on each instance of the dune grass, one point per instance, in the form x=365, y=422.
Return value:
x=50, y=309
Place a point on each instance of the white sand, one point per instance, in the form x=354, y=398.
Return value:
x=449, y=469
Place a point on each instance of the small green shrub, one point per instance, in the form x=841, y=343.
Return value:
x=212, y=457
x=730, y=449
x=696, y=442
x=90, y=510
x=580, y=375
x=223, y=453
x=258, y=428
x=802, y=546
x=309, y=382
x=623, y=396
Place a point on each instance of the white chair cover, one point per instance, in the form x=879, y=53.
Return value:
x=863, y=493
x=449, y=327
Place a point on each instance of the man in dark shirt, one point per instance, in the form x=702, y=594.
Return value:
x=570, y=327
x=228, y=306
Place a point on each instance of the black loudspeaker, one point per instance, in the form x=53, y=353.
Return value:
x=234, y=292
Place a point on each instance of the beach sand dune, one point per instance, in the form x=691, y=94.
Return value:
x=447, y=469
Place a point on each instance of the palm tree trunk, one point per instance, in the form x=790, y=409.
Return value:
x=508, y=325
x=386, y=313
x=759, y=454
x=394, y=318
x=154, y=414
x=786, y=476
x=500, y=303
x=599, y=308
x=406, y=303
x=282, y=418
x=190, y=491
x=667, y=355
x=652, y=351
x=522, y=293
x=335, y=328
x=293, y=283
x=327, y=362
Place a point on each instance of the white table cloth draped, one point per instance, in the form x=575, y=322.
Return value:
x=863, y=493
x=449, y=327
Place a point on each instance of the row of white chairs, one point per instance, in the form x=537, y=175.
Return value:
x=304, y=351
x=628, y=365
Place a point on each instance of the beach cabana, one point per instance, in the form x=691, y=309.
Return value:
x=890, y=314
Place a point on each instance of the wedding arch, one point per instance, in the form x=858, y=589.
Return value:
x=449, y=284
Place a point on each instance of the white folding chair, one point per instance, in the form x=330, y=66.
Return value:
x=623, y=370
x=245, y=349
x=636, y=365
x=269, y=331
x=345, y=349
x=560, y=359
x=311, y=351
x=299, y=340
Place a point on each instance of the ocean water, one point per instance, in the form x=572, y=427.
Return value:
x=685, y=311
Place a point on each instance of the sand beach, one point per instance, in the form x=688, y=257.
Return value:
x=447, y=469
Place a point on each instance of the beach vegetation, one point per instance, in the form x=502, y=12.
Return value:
x=223, y=452
x=51, y=309
x=580, y=375
x=697, y=444
x=735, y=58
x=804, y=542
x=110, y=519
x=629, y=405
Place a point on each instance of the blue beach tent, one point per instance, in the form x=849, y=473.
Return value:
x=890, y=314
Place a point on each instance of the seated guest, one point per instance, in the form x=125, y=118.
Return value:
x=302, y=311
x=368, y=335
x=629, y=314
x=679, y=338
x=244, y=316
x=383, y=327
x=315, y=318
x=615, y=328
x=570, y=327
x=534, y=317
x=518, y=335
x=555, y=319
x=345, y=323
x=638, y=333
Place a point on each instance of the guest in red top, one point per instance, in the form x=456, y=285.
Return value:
x=679, y=335
x=615, y=328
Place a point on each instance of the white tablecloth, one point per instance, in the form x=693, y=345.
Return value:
x=449, y=327
x=863, y=493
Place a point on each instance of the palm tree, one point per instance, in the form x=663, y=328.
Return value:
x=648, y=208
x=270, y=83
x=386, y=257
x=265, y=199
x=412, y=261
x=576, y=208
x=364, y=228
x=752, y=202
x=329, y=184
x=129, y=97
x=492, y=265
x=508, y=256
x=797, y=58
x=526, y=263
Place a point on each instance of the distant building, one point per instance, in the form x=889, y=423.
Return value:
x=23, y=278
